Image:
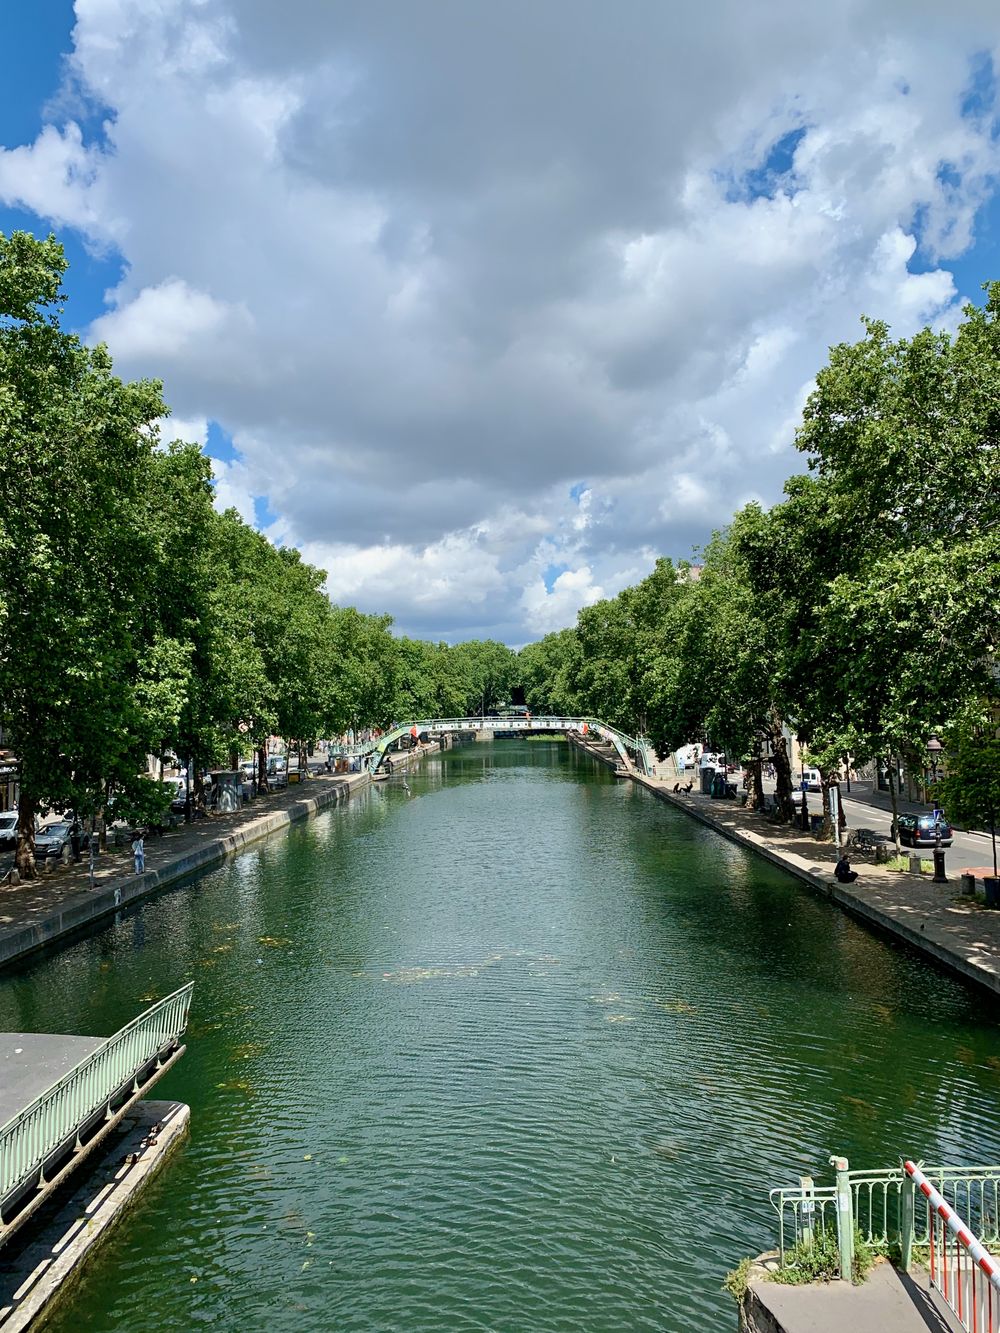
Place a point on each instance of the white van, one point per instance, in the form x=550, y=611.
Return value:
x=812, y=778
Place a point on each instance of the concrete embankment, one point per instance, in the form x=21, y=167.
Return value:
x=954, y=931
x=55, y=906
x=44, y=1267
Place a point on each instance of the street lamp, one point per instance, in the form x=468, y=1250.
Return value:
x=934, y=752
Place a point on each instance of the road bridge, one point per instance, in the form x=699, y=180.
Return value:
x=634, y=752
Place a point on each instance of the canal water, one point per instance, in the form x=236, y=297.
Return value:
x=520, y=1048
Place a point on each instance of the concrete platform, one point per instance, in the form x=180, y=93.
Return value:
x=30, y=1062
x=49, y=1257
x=889, y=1302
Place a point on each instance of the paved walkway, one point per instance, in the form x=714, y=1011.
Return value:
x=888, y=1302
x=937, y=919
x=36, y=913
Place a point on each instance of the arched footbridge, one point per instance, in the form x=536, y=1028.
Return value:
x=634, y=753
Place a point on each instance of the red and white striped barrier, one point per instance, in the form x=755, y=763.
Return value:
x=959, y=1289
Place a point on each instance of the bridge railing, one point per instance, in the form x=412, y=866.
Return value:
x=875, y=1204
x=962, y=1269
x=57, y=1115
x=632, y=749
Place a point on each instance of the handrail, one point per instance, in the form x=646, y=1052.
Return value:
x=27, y=1140
x=879, y=1208
x=974, y=1299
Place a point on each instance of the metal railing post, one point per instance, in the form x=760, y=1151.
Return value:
x=808, y=1211
x=845, y=1218
x=907, y=1210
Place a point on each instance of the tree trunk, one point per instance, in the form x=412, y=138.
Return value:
x=756, y=801
x=99, y=820
x=262, y=785
x=24, y=857
x=894, y=804
x=783, y=777
x=828, y=780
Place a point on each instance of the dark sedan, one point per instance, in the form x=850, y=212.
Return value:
x=924, y=831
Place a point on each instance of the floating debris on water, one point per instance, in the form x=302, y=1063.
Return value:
x=236, y=1085
x=247, y=1050
x=407, y=975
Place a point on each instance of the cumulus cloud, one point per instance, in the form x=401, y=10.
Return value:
x=479, y=292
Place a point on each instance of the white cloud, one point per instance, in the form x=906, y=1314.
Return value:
x=169, y=322
x=192, y=431
x=546, y=610
x=424, y=307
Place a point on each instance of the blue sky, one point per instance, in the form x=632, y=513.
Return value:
x=34, y=40
x=484, y=357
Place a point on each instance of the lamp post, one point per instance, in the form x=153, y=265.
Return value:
x=934, y=752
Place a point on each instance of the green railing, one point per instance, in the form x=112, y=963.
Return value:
x=875, y=1204
x=55, y=1117
x=631, y=749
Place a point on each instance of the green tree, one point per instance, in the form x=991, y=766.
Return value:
x=546, y=669
x=75, y=444
x=970, y=789
x=488, y=669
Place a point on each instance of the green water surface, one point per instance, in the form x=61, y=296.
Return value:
x=521, y=1049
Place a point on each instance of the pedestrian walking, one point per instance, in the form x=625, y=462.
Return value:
x=139, y=853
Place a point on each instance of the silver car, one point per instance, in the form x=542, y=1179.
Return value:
x=56, y=840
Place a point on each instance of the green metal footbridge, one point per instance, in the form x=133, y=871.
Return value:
x=635, y=753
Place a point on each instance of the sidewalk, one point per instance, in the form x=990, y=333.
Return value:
x=36, y=913
x=957, y=932
x=888, y=1302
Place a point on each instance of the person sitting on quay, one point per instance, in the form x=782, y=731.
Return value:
x=843, y=872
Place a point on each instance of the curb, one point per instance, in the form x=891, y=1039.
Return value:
x=98, y=1211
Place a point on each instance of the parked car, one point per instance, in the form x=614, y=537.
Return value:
x=8, y=831
x=56, y=840
x=924, y=831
